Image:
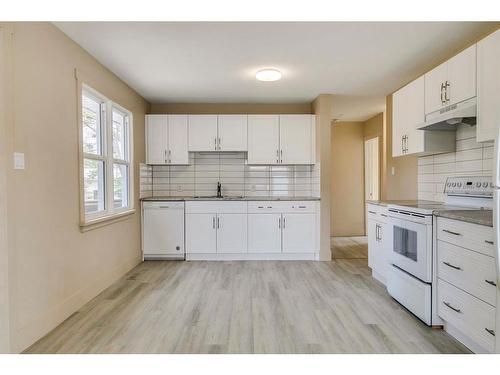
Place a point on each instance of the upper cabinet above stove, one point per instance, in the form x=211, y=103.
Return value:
x=451, y=82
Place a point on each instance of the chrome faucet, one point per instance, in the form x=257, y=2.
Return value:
x=219, y=190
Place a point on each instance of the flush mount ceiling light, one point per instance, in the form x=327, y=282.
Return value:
x=268, y=75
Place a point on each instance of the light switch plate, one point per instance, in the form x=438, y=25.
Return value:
x=393, y=171
x=18, y=160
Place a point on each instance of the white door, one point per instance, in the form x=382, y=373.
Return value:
x=201, y=233
x=462, y=76
x=264, y=233
x=263, y=139
x=488, y=87
x=163, y=231
x=178, y=139
x=435, y=82
x=156, y=139
x=232, y=132
x=298, y=233
x=202, y=132
x=232, y=233
x=371, y=169
x=296, y=139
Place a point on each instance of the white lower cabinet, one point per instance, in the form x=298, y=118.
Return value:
x=201, y=233
x=378, y=245
x=251, y=230
x=264, y=233
x=466, y=288
x=231, y=233
x=298, y=232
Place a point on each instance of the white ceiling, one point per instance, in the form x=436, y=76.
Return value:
x=216, y=62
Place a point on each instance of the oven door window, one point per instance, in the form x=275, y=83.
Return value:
x=405, y=242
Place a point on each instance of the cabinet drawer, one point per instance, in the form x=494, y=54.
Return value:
x=299, y=206
x=473, y=272
x=468, y=314
x=471, y=236
x=221, y=207
x=376, y=212
x=259, y=207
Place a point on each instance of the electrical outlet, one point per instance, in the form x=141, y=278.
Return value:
x=393, y=171
x=179, y=188
x=18, y=160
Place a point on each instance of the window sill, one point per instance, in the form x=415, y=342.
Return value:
x=106, y=220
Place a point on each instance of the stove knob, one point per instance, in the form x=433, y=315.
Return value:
x=478, y=184
x=448, y=184
x=485, y=184
x=459, y=184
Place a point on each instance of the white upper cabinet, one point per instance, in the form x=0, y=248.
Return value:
x=156, y=139
x=488, y=87
x=203, y=133
x=281, y=139
x=451, y=82
x=166, y=139
x=407, y=114
x=296, y=139
x=263, y=139
x=178, y=139
x=232, y=132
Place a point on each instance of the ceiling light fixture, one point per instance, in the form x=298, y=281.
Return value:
x=268, y=75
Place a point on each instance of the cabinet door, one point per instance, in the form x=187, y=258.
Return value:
x=156, y=139
x=202, y=132
x=434, y=96
x=264, y=233
x=231, y=233
x=296, y=139
x=415, y=116
x=488, y=87
x=232, y=132
x=201, y=233
x=399, y=104
x=178, y=139
x=372, y=242
x=462, y=76
x=263, y=139
x=298, y=233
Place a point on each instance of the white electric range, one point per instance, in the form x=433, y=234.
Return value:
x=411, y=232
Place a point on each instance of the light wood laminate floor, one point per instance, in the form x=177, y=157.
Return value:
x=349, y=247
x=246, y=307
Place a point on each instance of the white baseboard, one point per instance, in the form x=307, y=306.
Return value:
x=253, y=256
x=51, y=318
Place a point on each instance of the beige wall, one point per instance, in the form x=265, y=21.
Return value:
x=347, y=186
x=322, y=108
x=231, y=108
x=54, y=267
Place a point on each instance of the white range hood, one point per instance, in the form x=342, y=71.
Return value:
x=448, y=118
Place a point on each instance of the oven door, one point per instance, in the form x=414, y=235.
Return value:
x=411, y=247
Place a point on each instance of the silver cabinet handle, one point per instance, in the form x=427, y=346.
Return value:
x=281, y=156
x=284, y=222
x=491, y=282
x=490, y=331
x=215, y=143
x=169, y=156
x=451, y=266
x=450, y=232
x=402, y=144
x=165, y=156
x=447, y=304
x=446, y=98
x=279, y=222
x=442, y=88
x=489, y=242
x=384, y=215
x=372, y=212
x=213, y=222
x=220, y=147
x=277, y=156
x=218, y=223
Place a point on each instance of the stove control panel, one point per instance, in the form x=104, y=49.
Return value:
x=473, y=185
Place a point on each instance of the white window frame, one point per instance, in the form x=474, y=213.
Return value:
x=109, y=212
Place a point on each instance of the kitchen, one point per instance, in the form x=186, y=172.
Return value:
x=220, y=200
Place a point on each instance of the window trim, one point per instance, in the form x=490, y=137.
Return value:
x=110, y=213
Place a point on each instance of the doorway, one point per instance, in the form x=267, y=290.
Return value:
x=372, y=182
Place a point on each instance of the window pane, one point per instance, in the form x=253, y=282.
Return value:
x=93, y=180
x=120, y=185
x=119, y=135
x=92, y=129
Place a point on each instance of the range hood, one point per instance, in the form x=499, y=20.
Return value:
x=448, y=118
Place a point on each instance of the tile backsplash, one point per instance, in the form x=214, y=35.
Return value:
x=470, y=159
x=237, y=178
